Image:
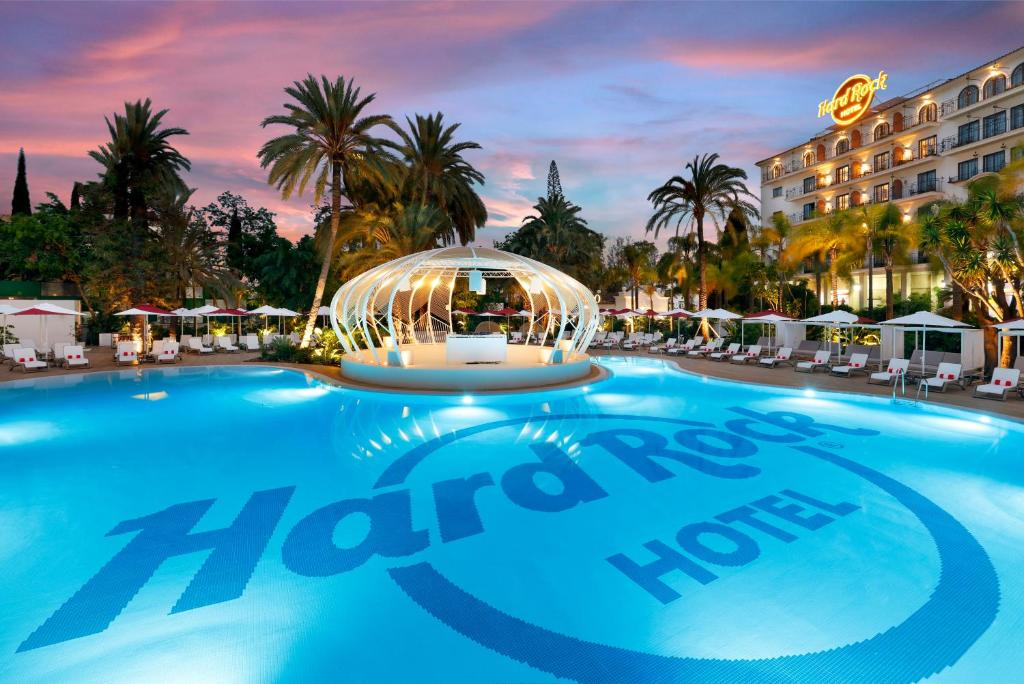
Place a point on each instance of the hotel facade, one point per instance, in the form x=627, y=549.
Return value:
x=909, y=150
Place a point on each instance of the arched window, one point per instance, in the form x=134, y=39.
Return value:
x=1017, y=77
x=820, y=153
x=897, y=122
x=927, y=113
x=855, y=138
x=808, y=159
x=967, y=97
x=995, y=85
x=882, y=130
x=776, y=171
x=842, y=146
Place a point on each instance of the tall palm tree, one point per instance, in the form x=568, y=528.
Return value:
x=387, y=234
x=140, y=160
x=836, y=235
x=893, y=237
x=333, y=142
x=712, y=191
x=676, y=264
x=777, y=235
x=438, y=174
x=869, y=227
x=638, y=263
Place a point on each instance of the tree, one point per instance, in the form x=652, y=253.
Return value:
x=712, y=190
x=333, y=142
x=255, y=229
x=284, y=271
x=676, y=265
x=235, y=257
x=384, y=235
x=439, y=175
x=638, y=264
x=21, y=204
x=836, y=235
x=554, y=182
x=893, y=238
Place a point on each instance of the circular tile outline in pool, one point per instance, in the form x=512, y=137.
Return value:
x=961, y=608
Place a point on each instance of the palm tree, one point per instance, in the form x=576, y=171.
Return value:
x=713, y=191
x=869, y=227
x=835, y=235
x=140, y=159
x=893, y=237
x=638, y=259
x=333, y=142
x=387, y=234
x=439, y=175
x=777, y=236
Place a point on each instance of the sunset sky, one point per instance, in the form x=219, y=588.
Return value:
x=621, y=95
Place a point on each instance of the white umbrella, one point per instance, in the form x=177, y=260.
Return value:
x=325, y=312
x=833, y=319
x=769, y=316
x=922, y=320
x=202, y=311
x=717, y=314
x=265, y=310
x=144, y=310
x=284, y=312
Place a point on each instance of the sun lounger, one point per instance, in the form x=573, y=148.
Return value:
x=857, y=364
x=632, y=342
x=706, y=349
x=806, y=349
x=168, y=353
x=929, y=359
x=669, y=343
x=948, y=374
x=196, y=345
x=224, y=344
x=1004, y=380
x=251, y=343
x=25, y=358
x=820, y=360
x=729, y=352
x=689, y=345
x=752, y=354
x=896, y=368
x=73, y=356
x=126, y=354
x=781, y=356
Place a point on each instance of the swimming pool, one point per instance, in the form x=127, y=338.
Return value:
x=254, y=524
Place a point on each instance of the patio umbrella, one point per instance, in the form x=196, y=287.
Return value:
x=716, y=314
x=181, y=312
x=678, y=315
x=288, y=313
x=324, y=311
x=43, y=309
x=265, y=310
x=833, y=319
x=144, y=310
x=768, y=316
x=201, y=311
x=922, y=320
x=232, y=313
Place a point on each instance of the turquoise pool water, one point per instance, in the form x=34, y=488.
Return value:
x=254, y=524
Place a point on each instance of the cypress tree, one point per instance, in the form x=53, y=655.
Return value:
x=21, y=204
x=554, y=183
x=235, y=241
x=76, y=198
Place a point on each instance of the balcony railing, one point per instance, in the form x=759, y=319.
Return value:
x=951, y=106
x=912, y=189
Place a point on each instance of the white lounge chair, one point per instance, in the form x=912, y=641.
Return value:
x=126, y=354
x=729, y=352
x=196, y=345
x=223, y=343
x=820, y=360
x=634, y=341
x=706, y=349
x=168, y=353
x=515, y=337
x=948, y=374
x=857, y=364
x=1004, y=380
x=781, y=356
x=73, y=356
x=25, y=358
x=692, y=344
x=896, y=368
x=669, y=343
x=250, y=343
x=753, y=353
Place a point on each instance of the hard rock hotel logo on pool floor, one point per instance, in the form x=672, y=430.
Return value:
x=959, y=610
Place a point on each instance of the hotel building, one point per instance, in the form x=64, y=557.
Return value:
x=909, y=150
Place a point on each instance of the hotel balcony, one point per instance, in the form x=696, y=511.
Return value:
x=952, y=107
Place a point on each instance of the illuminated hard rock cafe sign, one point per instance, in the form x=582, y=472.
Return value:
x=853, y=98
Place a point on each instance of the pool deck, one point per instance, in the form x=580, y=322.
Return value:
x=785, y=376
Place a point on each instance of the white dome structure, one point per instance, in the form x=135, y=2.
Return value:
x=397, y=324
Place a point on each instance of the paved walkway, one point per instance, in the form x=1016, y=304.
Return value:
x=102, y=360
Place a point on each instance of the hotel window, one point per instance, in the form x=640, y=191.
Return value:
x=881, y=162
x=776, y=171
x=776, y=192
x=882, y=193
x=842, y=174
x=1017, y=116
x=994, y=124
x=808, y=159
x=966, y=169
x=991, y=163
x=809, y=184
x=967, y=97
x=968, y=133
x=926, y=181
x=808, y=210
x=842, y=147
x=882, y=130
x=927, y=113
x=1017, y=78
x=926, y=146
x=842, y=202
x=995, y=85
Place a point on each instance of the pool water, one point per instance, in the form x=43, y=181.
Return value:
x=254, y=524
